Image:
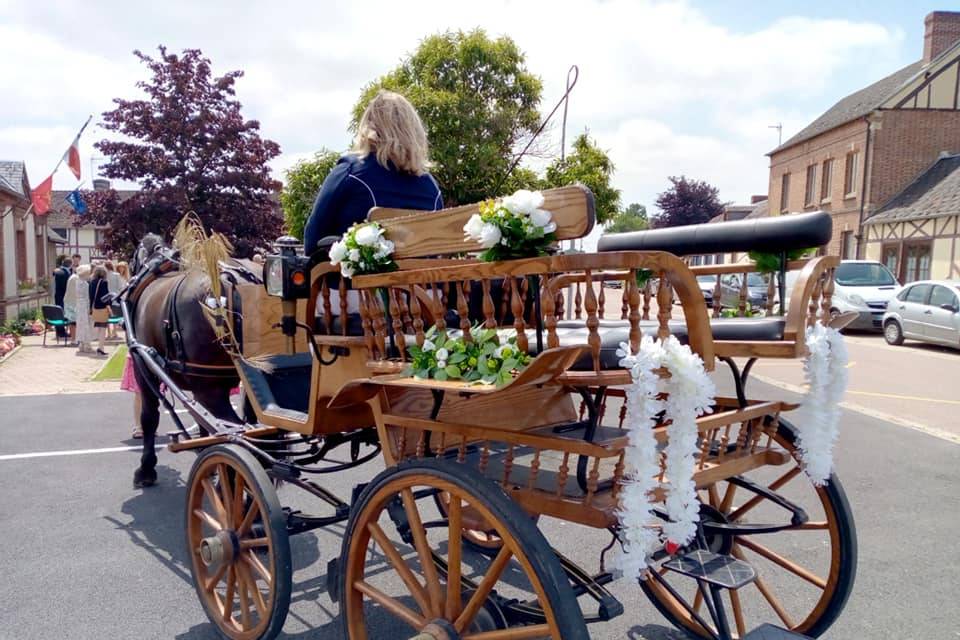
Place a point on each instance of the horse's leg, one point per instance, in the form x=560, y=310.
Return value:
x=146, y=474
x=216, y=400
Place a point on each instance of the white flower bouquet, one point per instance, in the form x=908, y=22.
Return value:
x=512, y=227
x=363, y=249
x=486, y=359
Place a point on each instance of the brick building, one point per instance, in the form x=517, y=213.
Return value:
x=872, y=144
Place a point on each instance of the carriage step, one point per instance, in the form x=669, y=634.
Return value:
x=770, y=632
x=712, y=568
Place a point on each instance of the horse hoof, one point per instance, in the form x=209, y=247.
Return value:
x=143, y=479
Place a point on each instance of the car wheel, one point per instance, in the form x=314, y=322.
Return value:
x=892, y=333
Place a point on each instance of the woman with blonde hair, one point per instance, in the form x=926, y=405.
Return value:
x=84, y=334
x=387, y=168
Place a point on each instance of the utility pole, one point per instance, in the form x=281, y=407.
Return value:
x=779, y=128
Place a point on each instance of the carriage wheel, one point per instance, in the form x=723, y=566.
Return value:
x=805, y=573
x=403, y=561
x=483, y=538
x=238, y=544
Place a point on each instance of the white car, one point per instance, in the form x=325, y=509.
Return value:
x=928, y=310
x=863, y=286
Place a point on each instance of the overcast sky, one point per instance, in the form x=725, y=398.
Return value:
x=666, y=87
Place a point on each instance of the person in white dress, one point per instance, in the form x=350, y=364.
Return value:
x=84, y=333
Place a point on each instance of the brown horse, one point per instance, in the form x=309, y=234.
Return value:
x=167, y=316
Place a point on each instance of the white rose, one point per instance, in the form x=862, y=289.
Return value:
x=368, y=235
x=489, y=235
x=471, y=230
x=442, y=354
x=550, y=228
x=338, y=251
x=384, y=249
x=354, y=254
x=428, y=345
x=347, y=270
x=523, y=201
x=540, y=217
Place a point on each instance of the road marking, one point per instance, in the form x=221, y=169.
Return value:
x=899, y=397
x=72, y=452
x=873, y=413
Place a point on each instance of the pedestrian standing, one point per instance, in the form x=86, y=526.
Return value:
x=99, y=310
x=81, y=308
x=128, y=382
x=61, y=275
x=113, y=284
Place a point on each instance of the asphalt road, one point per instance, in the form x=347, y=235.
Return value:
x=86, y=556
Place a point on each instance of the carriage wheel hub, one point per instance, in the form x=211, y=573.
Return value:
x=437, y=630
x=218, y=548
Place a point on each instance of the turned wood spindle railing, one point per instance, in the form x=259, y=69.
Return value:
x=519, y=325
x=717, y=295
x=417, y=314
x=342, y=291
x=632, y=296
x=664, y=302
x=593, y=321
x=327, y=307
x=828, y=288
x=489, y=320
x=646, y=299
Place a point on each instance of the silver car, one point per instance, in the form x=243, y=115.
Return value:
x=928, y=310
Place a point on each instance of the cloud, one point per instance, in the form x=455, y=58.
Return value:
x=666, y=89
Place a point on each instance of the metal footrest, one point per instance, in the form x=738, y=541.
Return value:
x=723, y=571
x=770, y=632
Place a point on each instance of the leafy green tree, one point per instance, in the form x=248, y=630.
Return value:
x=588, y=164
x=633, y=218
x=303, y=181
x=479, y=104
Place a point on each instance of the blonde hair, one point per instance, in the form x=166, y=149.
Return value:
x=391, y=129
x=84, y=271
x=123, y=269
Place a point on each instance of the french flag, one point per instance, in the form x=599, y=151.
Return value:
x=72, y=156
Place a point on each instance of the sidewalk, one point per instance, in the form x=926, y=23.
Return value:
x=38, y=370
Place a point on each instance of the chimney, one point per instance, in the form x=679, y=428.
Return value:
x=99, y=184
x=942, y=30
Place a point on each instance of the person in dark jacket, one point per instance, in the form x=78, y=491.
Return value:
x=387, y=168
x=99, y=309
x=60, y=276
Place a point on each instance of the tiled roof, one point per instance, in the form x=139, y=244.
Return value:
x=760, y=210
x=11, y=176
x=934, y=194
x=61, y=213
x=856, y=105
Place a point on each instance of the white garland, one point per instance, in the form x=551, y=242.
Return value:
x=690, y=394
x=825, y=370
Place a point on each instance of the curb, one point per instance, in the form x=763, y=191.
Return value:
x=11, y=354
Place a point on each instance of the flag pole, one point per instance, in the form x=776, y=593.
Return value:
x=79, y=133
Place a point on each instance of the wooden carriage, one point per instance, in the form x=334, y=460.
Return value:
x=445, y=541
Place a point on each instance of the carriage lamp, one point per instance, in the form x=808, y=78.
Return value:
x=287, y=273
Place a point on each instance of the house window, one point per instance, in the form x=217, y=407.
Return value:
x=784, y=192
x=846, y=245
x=890, y=257
x=62, y=232
x=850, y=174
x=826, y=176
x=916, y=261
x=811, y=189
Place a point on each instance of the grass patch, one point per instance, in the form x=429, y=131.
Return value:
x=112, y=368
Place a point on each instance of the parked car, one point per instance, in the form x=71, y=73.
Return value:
x=928, y=310
x=707, y=285
x=866, y=287
x=731, y=283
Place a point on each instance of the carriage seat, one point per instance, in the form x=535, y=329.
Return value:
x=613, y=332
x=282, y=386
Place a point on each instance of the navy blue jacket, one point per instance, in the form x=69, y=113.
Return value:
x=354, y=186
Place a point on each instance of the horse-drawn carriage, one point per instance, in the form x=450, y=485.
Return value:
x=450, y=540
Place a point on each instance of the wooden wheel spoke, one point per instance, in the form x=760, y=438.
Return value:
x=252, y=543
x=208, y=519
x=812, y=526
x=214, y=580
x=226, y=493
x=516, y=633
x=697, y=600
x=423, y=551
x=483, y=589
x=390, y=604
x=728, y=497
x=713, y=495
x=228, y=598
x=214, y=497
x=454, y=552
x=244, y=601
x=254, y=590
x=237, y=507
x=766, y=593
x=248, y=519
x=737, y=612
x=786, y=563
x=401, y=567
x=754, y=501
x=254, y=562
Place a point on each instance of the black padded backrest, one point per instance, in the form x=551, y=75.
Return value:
x=52, y=312
x=769, y=235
